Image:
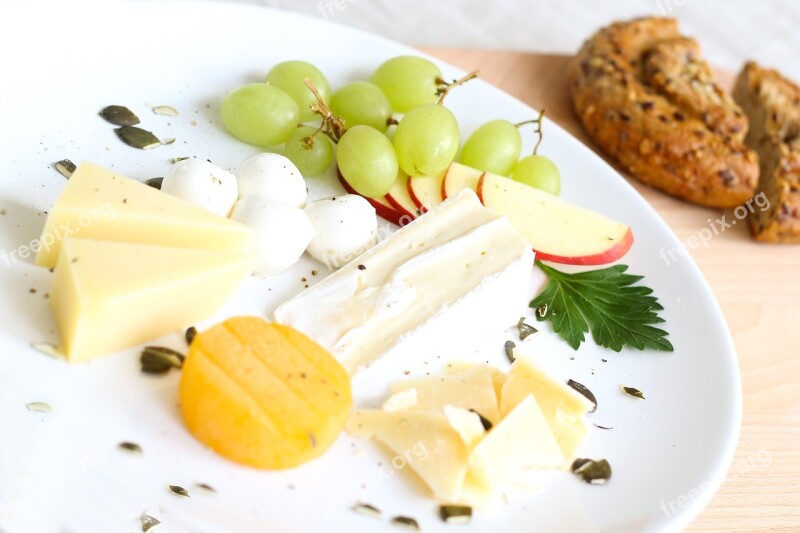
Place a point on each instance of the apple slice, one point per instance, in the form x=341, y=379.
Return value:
x=558, y=231
x=426, y=191
x=400, y=200
x=382, y=207
x=459, y=177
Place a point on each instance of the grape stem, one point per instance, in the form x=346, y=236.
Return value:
x=333, y=126
x=538, y=121
x=444, y=88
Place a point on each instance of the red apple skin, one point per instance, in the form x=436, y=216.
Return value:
x=447, y=175
x=417, y=202
x=444, y=184
x=399, y=207
x=383, y=211
x=609, y=256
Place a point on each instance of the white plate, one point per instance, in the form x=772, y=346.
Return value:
x=62, y=471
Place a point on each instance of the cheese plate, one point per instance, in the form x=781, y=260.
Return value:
x=63, y=470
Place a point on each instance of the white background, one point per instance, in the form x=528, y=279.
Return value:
x=730, y=32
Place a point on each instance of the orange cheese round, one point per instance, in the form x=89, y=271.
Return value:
x=263, y=394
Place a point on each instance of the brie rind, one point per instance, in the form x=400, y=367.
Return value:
x=456, y=252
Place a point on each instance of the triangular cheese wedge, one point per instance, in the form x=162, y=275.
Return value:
x=471, y=389
x=521, y=440
x=498, y=378
x=108, y=296
x=563, y=408
x=103, y=205
x=421, y=440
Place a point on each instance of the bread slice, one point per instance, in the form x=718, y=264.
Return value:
x=772, y=105
x=645, y=96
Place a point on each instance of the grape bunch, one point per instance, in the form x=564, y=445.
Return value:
x=396, y=121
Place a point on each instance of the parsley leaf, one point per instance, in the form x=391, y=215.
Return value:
x=606, y=301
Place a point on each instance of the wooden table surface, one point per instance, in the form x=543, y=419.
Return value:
x=758, y=287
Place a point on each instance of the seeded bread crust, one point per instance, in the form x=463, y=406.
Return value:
x=772, y=104
x=650, y=103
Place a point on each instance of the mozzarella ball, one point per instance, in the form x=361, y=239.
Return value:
x=345, y=227
x=272, y=176
x=203, y=184
x=282, y=232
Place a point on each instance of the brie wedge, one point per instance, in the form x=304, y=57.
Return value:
x=458, y=251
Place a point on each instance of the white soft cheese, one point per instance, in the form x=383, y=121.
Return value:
x=282, y=232
x=274, y=177
x=203, y=184
x=344, y=226
x=460, y=257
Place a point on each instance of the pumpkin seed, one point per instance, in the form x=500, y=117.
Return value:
x=130, y=447
x=405, y=521
x=485, y=422
x=148, y=522
x=137, y=137
x=509, y=348
x=159, y=360
x=585, y=392
x=39, y=407
x=165, y=110
x=119, y=115
x=65, y=167
x=204, y=487
x=367, y=509
x=591, y=471
x=178, y=491
x=632, y=391
x=455, y=514
x=47, y=348
x=155, y=183
x=525, y=330
x=191, y=333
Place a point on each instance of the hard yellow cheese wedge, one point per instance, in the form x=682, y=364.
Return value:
x=469, y=464
x=108, y=296
x=521, y=440
x=423, y=440
x=103, y=205
x=498, y=378
x=471, y=389
x=563, y=408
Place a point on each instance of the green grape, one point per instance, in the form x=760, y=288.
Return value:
x=494, y=147
x=539, y=172
x=426, y=140
x=362, y=103
x=408, y=82
x=367, y=161
x=311, y=158
x=259, y=114
x=290, y=76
